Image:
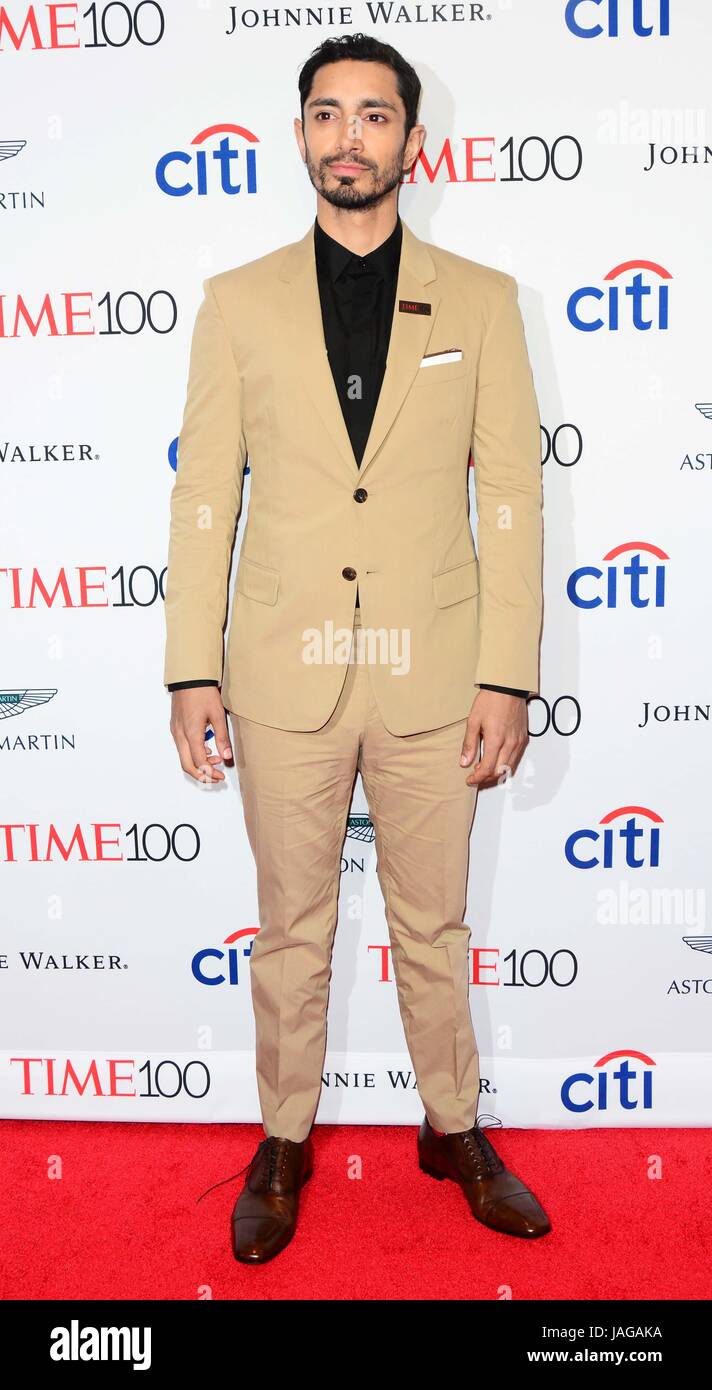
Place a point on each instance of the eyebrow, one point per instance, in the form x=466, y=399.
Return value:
x=365, y=101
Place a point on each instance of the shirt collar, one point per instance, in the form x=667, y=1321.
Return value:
x=332, y=257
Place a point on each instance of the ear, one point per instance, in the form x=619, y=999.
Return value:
x=414, y=145
x=299, y=137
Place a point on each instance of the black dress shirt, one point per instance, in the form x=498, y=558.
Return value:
x=357, y=295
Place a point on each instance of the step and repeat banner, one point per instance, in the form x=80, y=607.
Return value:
x=146, y=146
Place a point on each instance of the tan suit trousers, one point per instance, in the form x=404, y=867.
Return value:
x=296, y=792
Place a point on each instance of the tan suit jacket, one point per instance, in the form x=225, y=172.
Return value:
x=260, y=386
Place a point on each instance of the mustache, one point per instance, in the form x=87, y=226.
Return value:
x=346, y=160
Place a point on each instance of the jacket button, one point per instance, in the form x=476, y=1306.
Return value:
x=348, y=572
x=360, y=494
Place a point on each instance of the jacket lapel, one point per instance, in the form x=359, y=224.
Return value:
x=410, y=334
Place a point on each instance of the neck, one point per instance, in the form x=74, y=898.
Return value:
x=359, y=229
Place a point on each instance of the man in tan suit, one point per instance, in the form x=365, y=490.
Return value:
x=357, y=367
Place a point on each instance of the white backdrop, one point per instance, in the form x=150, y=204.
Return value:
x=128, y=891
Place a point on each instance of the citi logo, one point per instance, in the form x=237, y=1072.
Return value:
x=640, y=301
x=589, y=19
x=216, y=966
x=628, y=836
x=201, y=171
x=631, y=582
x=625, y=1087
x=75, y=1343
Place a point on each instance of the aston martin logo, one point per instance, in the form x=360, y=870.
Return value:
x=705, y=408
x=360, y=828
x=699, y=943
x=17, y=701
x=9, y=148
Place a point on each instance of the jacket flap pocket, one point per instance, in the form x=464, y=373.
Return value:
x=457, y=582
x=257, y=581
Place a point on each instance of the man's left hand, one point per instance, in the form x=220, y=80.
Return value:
x=501, y=722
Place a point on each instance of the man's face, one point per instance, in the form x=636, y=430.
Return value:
x=353, y=137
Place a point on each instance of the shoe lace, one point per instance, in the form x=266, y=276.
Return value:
x=277, y=1151
x=480, y=1149
x=277, y=1157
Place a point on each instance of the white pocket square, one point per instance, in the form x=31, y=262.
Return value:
x=435, y=358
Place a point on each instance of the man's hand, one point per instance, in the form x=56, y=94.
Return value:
x=191, y=711
x=501, y=721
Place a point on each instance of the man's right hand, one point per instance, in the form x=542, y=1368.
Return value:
x=191, y=712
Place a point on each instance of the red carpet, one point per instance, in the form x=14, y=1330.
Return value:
x=123, y=1220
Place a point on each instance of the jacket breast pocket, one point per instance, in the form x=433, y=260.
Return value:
x=455, y=583
x=440, y=372
x=257, y=581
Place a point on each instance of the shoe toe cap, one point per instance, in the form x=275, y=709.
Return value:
x=255, y=1239
x=519, y=1214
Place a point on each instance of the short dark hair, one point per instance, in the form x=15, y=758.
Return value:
x=363, y=48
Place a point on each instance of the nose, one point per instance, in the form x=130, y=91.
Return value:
x=352, y=138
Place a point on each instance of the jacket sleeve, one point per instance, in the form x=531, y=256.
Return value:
x=506, y=447
x=205, y=502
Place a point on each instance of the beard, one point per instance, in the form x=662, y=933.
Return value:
x=344, y=194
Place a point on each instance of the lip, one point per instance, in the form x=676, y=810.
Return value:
x=347, y=168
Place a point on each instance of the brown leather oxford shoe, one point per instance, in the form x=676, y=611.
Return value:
x=264, y=1218
x=497, y=1197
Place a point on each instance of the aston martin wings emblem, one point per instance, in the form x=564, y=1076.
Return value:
x=360, y=828
x=17, y=701
x=9, y=148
